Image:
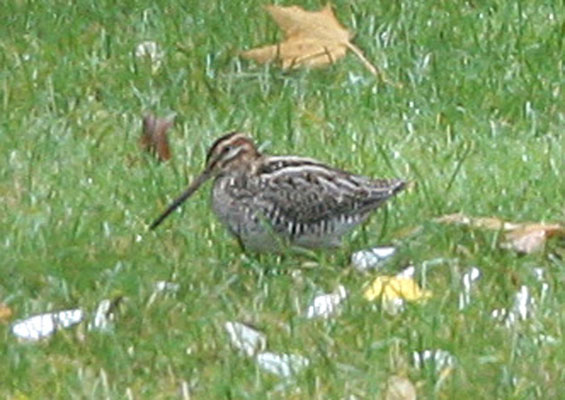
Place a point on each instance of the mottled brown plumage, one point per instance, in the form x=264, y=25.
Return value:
x=272, y=201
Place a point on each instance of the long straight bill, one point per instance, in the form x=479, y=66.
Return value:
x=179, y=200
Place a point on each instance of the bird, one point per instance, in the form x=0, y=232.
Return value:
x=271, y=202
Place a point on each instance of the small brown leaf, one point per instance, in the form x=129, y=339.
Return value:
x=530, y=238
x=154, y=136
x=311, y=39
x=5, y=313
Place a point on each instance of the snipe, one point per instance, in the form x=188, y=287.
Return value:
x=269, y=201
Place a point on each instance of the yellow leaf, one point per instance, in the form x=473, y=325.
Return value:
x=311, y=39
x=390, y=288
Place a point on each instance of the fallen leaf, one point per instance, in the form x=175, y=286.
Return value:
x=400, y=388
x=154, y=136
x=5, y=313
x=526, y=237
x=311, y=39
x=530, y=238
x=390, y=288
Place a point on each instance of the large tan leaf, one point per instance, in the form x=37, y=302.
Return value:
x=312, y=39
x=526, y=237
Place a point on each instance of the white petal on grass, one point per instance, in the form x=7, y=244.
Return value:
x=326, y=305
x=438, y=358
x=364, y=260
x=283, y=365
x=468, y=280
x=246, y=339
x=44, y=325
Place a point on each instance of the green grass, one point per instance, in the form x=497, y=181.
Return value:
x=478, y=125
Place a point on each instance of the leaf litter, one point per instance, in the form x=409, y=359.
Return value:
x=394, y=291
x=6, y=313
x=154, y=138
x=311, y=39
x=526, y=238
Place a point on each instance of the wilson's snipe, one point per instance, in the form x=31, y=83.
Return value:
x=266, y=201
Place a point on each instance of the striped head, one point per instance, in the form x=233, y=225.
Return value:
x=230, y=152
x=233, y=151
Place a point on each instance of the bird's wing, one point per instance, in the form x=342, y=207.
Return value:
x=307, y=192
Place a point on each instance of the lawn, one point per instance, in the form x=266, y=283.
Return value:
x=475, y=122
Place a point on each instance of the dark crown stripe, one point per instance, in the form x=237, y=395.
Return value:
x=228, y=138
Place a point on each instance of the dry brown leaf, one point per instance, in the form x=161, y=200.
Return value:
x=5, y=313
x=154, y=136
x=312, y=39
x=530, y=238
x=526, y=237
x=490, y=223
